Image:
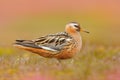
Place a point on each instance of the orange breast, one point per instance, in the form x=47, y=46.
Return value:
x=66, y=54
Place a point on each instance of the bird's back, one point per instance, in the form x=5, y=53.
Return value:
x=48, y=46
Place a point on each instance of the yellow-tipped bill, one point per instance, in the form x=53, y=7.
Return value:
x=84, y=31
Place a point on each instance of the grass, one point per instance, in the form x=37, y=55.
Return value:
x=99, y=59
x=93, y=61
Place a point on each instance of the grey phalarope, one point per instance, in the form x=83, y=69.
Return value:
x=61, y=45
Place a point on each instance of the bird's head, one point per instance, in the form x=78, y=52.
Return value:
x=74, y=27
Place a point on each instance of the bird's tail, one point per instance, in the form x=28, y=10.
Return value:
x=25, y=43
x=30, y=45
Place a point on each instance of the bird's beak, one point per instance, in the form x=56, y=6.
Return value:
x=84, y=31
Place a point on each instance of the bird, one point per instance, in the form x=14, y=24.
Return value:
x=61, y=45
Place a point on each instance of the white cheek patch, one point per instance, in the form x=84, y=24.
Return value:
x=73, y=24
x=47, y=48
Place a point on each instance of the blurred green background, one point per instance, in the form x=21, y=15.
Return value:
x=31, y=19
x=99, y=58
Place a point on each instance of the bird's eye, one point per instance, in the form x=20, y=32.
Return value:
x=76, y=25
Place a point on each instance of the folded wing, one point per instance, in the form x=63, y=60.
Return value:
x=53, y=43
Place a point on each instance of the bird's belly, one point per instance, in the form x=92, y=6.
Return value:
x=66, y=54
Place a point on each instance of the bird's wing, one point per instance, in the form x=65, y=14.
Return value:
x=52, y=42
